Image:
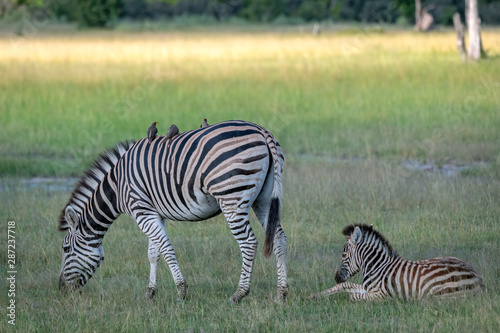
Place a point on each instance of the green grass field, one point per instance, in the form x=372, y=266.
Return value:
x=348, y=108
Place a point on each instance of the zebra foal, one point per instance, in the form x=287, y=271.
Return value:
x=228, y=168
x=386, y=274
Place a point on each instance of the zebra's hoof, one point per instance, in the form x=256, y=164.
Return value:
x=238, y=295
x=151, y=293
x=233, y=300
x=181, y=291
x=281, y=299
x=282, y=294
x=313, y=297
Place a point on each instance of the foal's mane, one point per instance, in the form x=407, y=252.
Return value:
x=367, y=230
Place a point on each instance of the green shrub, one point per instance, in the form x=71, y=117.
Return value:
x=95, y=13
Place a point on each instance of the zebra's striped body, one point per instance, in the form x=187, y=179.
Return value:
x=386, y=274
x=228, y=167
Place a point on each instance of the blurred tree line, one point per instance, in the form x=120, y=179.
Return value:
x=103, y=12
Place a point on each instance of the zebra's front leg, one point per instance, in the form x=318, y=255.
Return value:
x=341, y=287
x=371, y=295
x=356, y=290
x=154, y=258
x=152, y=225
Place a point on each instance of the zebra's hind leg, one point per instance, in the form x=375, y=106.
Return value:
x=237, y=216
x=153, y=226
x=280, y=252
x=261, y=208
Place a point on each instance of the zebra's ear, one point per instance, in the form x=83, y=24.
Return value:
x=357, y=235
x=71, y=217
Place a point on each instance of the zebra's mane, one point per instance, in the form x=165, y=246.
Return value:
x=368, y=230
x=91, y=178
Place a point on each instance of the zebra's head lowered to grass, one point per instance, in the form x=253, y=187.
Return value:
x=354, y=256
x=80, y=258
x=87, y=216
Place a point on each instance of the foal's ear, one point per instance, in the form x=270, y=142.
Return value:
x=357, y=236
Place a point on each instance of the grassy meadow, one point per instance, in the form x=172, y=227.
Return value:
x=348, y=107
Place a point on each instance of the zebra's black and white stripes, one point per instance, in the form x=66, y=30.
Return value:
x=228, y=167
x=386, y=274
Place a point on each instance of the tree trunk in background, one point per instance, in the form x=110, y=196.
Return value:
x=483, y=53
x=418, y=14
x=316, y=29
x=460, y=35
x=473, y=29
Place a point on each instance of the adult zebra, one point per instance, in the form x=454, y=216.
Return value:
x=228, y=167
x=386, y=274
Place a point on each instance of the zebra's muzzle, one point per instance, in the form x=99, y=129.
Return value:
x=341, y=276
x=64, y=286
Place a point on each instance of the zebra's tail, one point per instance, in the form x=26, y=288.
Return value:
x=273, y=220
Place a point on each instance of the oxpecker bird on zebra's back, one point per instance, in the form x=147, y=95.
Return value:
x=386, y=274
x=230, y=168
x=172, y=131
x=152, y=130
x=204, y=124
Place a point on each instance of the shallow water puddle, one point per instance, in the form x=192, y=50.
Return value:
x=47, y=183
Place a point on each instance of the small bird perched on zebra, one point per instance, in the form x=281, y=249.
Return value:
x=172, y=131
x=152, y=130
x=386, y=274
x=204, y=124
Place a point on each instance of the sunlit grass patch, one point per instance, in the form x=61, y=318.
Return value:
x=65, y=97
